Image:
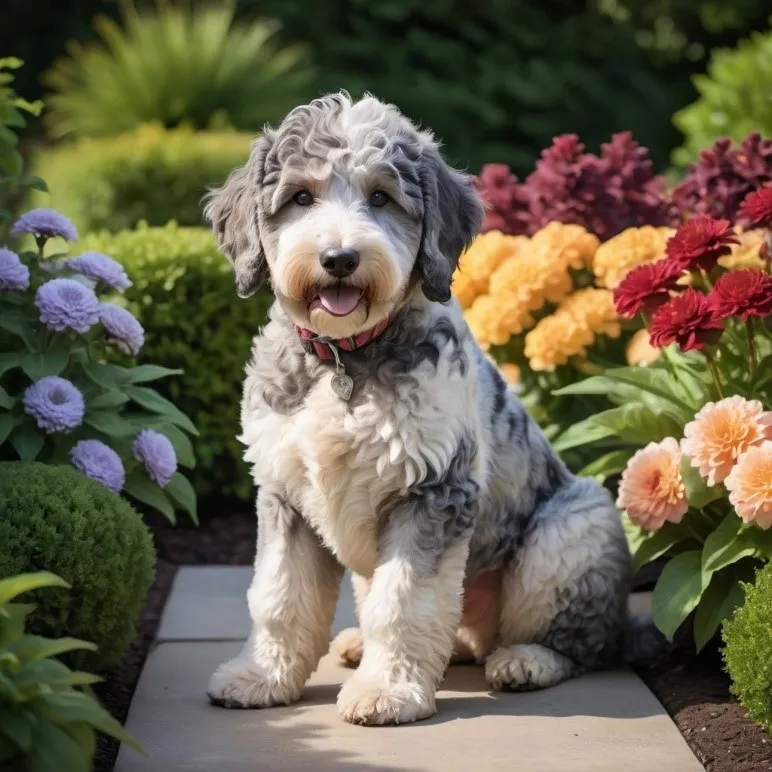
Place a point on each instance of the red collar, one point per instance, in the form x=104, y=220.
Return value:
x=323, y=348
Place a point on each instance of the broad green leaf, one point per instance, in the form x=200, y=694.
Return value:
x=595, y=384
x=656, y=382
x=181, y=491
x=110, y=398
x=16, y=724
x=39, y=365
x=53, y=750
x=638, y=423
x=154, y=402
x=719, y=601
x=17, y=585
x=183, y=447
x=9, y=361
x=53, y=673
x=34, y=647
x=729, y=543
x=658, y=544
x=634, y=534
x=23, y=328
x=12, y=620
x=6, y=400
x=147, y=373
x=7, y=422
x=27, y=441
x=110, y=423
x=583, y=433
x=36, y=183
x=103, y=375
x=698, y=494
x=146, y=491
x=677, y=592
x=611, y=463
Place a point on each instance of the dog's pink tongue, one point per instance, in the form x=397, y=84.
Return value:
x=340, y=299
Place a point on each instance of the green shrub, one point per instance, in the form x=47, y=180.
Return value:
x=748, y=649
x=183, y=292
x=150, y=174
x=55, y=519
x=734, y=98
x=48, y=716
x=176, y=63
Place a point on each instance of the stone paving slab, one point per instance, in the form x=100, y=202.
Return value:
x=602, y=722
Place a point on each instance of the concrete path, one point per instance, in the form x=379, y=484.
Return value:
x=603, y=722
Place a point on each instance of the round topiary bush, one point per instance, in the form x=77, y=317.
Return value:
x=55, y=519
x=748, y=650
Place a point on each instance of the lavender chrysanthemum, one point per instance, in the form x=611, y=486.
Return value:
x=99, y=462
x=67, y=304
x=157, y=455
x=55, y=403
x=45, y=224
x=14, y=275
x=122, y=328
x=100, y=267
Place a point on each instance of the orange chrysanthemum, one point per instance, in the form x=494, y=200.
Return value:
x=652, y=490
x=721, y=431
x=639, y=350
x=511, y=373
x=750, y=485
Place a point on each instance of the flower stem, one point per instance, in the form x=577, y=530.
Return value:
x=751, y=346
x=706, y=280
x=714, y=372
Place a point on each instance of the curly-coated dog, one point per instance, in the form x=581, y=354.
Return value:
x=383, y=440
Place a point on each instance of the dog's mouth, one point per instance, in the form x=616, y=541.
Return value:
x=337, y=300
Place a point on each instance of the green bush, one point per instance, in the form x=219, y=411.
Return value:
x=176, y=63
x=55, y=519
x=748, y=649
x=734, y=98
x=150, y=174
x=48, y=716
x=183, y=292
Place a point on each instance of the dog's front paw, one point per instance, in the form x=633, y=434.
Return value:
x=241, y=683
x=348, y=645
x=374, y=704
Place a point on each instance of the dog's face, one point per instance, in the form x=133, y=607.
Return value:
x=347, y=208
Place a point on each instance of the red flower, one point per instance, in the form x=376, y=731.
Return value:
x=756, y=208
x=646, y=287
x=699, y=242
x=687, y=320
x=742, y=293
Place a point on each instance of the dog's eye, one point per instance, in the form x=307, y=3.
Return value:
x=303, y=198
x=379, y=198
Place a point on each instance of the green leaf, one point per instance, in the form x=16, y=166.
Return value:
x=110, y=423
x=6, y=400
x=111, y=398
x=34, y=647
x=20, y=327
x=181, y=491
x=53, y=750
x=677, y=592
x=147, y=373
x=658, y=544
x=7, y=422
x=582, y=433
x=27, y=441
x=634, y=534
x=17, y=585
x=638, y=423
x=658, y=383
x=183, y=447
x=36, y=183
x=698, y=494
x=53, y=673
x=611, y=463
x=721, y=597
x=146, y=491
x=103, y=375
x=729, y=543
x=38, y=365
x=9, y=361
x=154, y=402
x=17, y=725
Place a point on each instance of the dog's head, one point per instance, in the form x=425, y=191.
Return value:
x=346, y=207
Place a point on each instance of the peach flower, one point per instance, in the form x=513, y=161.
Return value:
x=750, y=485
x=652, y=490
x=721, y=431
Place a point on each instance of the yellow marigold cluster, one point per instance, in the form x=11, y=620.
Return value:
x=639, y=350
x=483, y=257
x=572, y=328
x=615, y=258
x=746, y=253
x=538, y=273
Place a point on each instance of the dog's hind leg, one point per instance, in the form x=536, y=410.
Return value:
x=564, y=607
x=291, y=602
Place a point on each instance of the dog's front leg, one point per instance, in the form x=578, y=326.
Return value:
x=410, y=615
x=291, y=601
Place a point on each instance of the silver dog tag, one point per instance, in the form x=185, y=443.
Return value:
x=342, y=385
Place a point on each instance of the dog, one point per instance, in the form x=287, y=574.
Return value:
x=383, y=440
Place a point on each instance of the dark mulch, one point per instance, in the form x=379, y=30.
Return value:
x=694, y=690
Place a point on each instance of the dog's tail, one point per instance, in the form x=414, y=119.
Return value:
x=641, y=640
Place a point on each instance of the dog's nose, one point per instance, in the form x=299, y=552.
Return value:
x=339, y=262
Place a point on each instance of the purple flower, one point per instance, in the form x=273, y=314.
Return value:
x=14, y=275
x=55, y=404
x=157, y=455
x=122, y=328
x=45, y=224
x=100, y=267
x=67, y=304
x=99, y=462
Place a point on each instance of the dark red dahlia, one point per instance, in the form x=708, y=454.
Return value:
x=506, y=202
x=700, y=242
x=646, y=288
x=687, y=320
x=743, y=294
x=756, y=209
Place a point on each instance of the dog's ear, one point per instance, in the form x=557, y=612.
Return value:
x=232, y=211
x=453, y=215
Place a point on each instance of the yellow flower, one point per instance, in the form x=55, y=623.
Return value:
x=511, y=373
x=640, y=352
x=476, y=265
x=746, y=253
x=569, y=243
x=632, y=247
x=494, y=320
x=595, y=309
